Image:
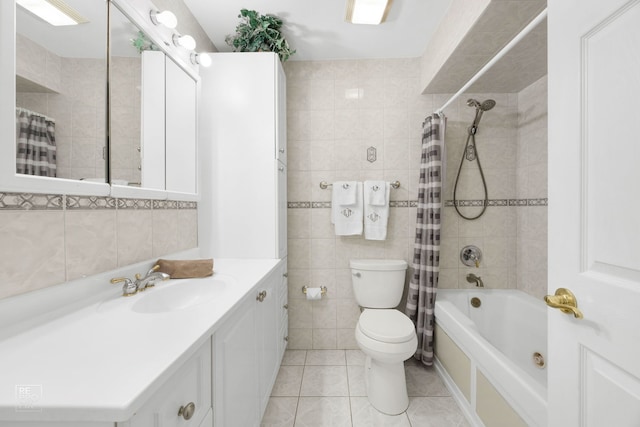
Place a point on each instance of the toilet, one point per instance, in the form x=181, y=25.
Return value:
x=385, y=335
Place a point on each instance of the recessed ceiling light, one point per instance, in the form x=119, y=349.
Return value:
x=55, y=12
x=371, y=12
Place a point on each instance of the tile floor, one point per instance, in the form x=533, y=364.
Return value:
x=325, y=388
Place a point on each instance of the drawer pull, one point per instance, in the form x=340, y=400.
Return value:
x=261, y=296
x=187, y=411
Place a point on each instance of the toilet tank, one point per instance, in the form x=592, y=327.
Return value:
x=378, y=283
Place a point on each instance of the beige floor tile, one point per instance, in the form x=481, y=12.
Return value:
x=435, y=412
x=280, y=412
x=324, y=381
x=355, y=357
x=288, y=381
x=365, y=415
x=424, y=381
x=326, y=358
x=357, y=386
x=294, y=357
x=323, y=412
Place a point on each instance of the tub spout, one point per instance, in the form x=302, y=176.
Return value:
x=472, y=278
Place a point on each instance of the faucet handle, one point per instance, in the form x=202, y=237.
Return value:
x=128, y=288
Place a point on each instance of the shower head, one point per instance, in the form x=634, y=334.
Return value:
x=485, y=106
x=488, y=105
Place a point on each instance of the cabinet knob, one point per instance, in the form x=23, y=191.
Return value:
x=286, y=306
x=187, y=411
x=261, y=296
x=285, y=274
x=281, y=168
x=281, y=150
x=286, y=338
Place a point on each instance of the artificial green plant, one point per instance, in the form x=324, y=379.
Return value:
x=259, y=33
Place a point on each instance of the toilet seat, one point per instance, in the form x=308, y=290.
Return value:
x=386, y=325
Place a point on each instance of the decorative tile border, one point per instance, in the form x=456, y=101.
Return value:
x=34, y=201
x=300, y=205
x=320, y=205
x=134, y=204
x=89, y=202
x=28, y=201
x=187, y=205
x=447, y=203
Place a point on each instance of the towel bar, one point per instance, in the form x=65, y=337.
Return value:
x=324, y=184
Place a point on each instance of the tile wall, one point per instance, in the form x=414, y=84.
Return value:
x=48, y=239
x=338, y=109
x=531, y=182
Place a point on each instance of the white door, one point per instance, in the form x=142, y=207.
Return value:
x=594, y=211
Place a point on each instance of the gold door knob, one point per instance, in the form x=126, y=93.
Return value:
x=565, y=301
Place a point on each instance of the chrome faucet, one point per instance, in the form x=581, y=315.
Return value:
x=131, y=287
x=149, y=280
x=472, y=278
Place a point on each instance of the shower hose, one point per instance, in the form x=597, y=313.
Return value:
x=471, y=153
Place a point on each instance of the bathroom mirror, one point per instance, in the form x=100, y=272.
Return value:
x=153, y=93
x=61, y=81
x=53, y=114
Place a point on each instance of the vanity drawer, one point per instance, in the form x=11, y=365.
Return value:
x=184, y=400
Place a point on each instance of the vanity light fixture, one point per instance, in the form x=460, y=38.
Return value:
x=201, y=59
x=371, y=12
x=55, y=12
x=166, y=18
x=186, y=41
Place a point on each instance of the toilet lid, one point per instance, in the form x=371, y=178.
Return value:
x=386, y=325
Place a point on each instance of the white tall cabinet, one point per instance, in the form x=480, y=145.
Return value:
x=244, y=121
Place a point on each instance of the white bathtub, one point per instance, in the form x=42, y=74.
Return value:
x=494, y=346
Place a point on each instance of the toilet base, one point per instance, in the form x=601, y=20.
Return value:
x=386, y=386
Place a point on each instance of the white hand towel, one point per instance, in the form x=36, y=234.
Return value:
x=376, y=217
x=346, y=192
x=347, y=219
x=376, y=193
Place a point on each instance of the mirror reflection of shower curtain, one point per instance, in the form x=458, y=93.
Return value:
x=36, y=144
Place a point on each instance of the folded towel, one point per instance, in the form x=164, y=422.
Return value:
x=345, y=192
x=185, y=269
x=347, y=218
x=375, y=192
x=376, y=217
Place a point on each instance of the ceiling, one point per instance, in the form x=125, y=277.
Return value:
x=318, y=31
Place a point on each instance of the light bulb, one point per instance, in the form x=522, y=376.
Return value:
x=166, y=18
x=201, y=59
x=185, y=41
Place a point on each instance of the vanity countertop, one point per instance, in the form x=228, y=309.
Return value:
x=101, y=362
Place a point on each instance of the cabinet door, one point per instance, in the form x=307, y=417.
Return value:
x=236, y=378
x=268, y=335
x=181, y=100
x=281, y=195
x=153, y=102
x=283, y=312
x=191, y=384
x=281, y=113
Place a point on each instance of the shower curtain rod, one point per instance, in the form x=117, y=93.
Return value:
x=526, y=30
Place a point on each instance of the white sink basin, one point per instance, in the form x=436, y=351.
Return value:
x=180, y=295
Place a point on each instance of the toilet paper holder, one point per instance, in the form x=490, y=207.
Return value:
x=323, y=290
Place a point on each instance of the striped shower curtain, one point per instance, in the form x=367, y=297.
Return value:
x=426, y=253
x=36, y=144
